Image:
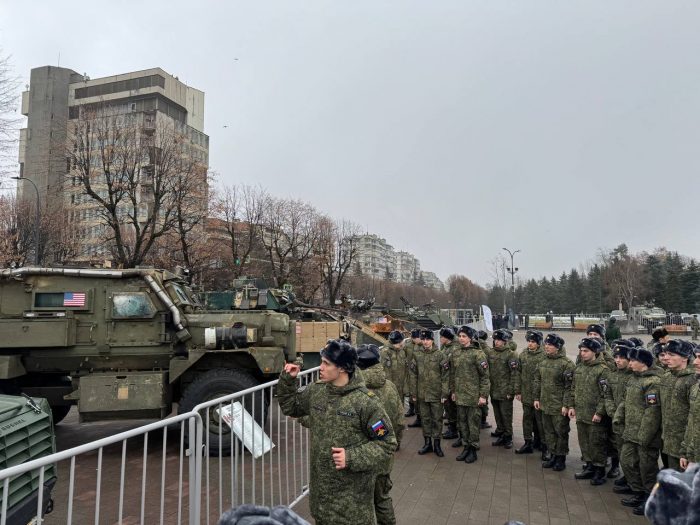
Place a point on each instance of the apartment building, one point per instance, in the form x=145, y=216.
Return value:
x=375, y=258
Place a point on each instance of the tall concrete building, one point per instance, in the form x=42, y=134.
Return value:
x=58, y=96
x=407, y=268
x=375, y=258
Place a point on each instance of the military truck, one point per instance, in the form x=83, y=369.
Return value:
x=125, y=344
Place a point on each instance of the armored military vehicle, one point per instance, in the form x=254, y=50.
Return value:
x=128, y=343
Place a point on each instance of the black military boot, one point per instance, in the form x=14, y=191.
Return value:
x=458, y=443
x=451, y=432
x=500, y=441
x=599, y=476
x=635, y=500
x=623, y=489
x=550, y=462
x=620, y=482
x=614, y=468
x=437, y=448
x=471, y=457
x=544, y=456
x=560, y=463
x=536, y=444
x=485, y=424
x=639, y=509
x=416, y=423
x=496, y=433
x=411, y=410
x=587, y=473
x=507, y=441
x=527, y=448
x=427, y=447
x=463, y=455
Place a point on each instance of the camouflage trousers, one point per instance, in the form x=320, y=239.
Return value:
x=640, y=465
x=451, y=410
x=383, y=506
x=593, y=439
x=431, y=418
x=469, y=424
x=532, y=422
x=674, y=463
x=556, y=433
x=503, y=412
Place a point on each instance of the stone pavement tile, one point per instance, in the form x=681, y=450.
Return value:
x=599, y=518
x=538, y=517
x=559, y=521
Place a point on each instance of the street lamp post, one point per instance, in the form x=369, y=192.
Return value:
x=512, y=271
x=37, y=220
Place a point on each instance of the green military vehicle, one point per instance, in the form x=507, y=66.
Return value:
x=125, y=344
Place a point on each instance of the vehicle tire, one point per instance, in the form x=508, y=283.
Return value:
x=217, y=383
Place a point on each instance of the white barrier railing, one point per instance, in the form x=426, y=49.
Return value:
x=143, y=475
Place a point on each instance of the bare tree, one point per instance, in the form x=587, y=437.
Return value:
x=16, y=231
x=498, y=273
x=136, y=169
x=9, y=122
x=337, y=249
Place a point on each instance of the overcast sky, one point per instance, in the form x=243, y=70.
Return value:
x=450, y=128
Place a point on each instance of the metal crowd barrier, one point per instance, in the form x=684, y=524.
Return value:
x=172, y=471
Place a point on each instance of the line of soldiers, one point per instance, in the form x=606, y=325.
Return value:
x=631, y=404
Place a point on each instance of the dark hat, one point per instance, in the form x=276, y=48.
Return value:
x=636, y=341
x=469, y=331
x=483, y=335
x=658, y=333
x=657, y=348
x=675, y=499
x=535, y=336
x=591, y=343
x=367, y=355
x=554, y=340
x=642, y=355
x=502, y=334
x=342, y=354
x=596, y=329
x=415, y=333
x=622, y=351
x=624, y=342
x=426, y=334
x=395, y=337
x=447, y=333
x=680, y=347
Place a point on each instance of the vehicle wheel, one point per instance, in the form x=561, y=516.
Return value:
x=59, y=413
x=217, y=383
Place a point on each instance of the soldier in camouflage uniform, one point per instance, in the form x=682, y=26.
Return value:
x=552, y=392
x=691, y=441
x=412, y=345
x=503, y=371
x=484, y=345
x=429, y=382
x=659, y=335
x=449, y=344
x=395, y=362
x=532, y=419
x=640, y=413
x=614, y=396
x=598, y=331
x=588, y=407
x=469, y=389
x=376, y=381
x=675, y=398
x=351, y=436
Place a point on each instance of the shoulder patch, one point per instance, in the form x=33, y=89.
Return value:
x=379, y=429
x=603, y=384
x=513, y=364
x=446, y=365
x=484, y=364
x=569, y=374
x=652, y=399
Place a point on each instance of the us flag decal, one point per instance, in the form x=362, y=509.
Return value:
x=74, y=299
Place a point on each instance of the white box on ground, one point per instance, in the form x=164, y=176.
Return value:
x=246, y=428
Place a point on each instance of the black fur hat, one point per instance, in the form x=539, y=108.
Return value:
x=625, y=342
x=503, y=335
x=622, y=351
x=636, y=341
x=535, y=336
x=469, y=331
x=641, y=354
x=367, y=355
x=415, y=333
x=675, y=499
x=657, y=349
x=596, y=329
x=342, y=354
x=483, y=335
x=554, y=340
x=680, y=347
x=395, y=337
x=426, y=334
x=658, y=333
x=447, y=333
x=591, y=343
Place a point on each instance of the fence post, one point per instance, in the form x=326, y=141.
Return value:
x=195, y=468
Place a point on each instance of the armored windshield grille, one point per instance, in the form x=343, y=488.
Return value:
x=27, y=437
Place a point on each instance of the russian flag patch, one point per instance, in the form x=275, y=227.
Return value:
x=379, y=428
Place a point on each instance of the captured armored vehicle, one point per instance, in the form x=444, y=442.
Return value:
x=128, y=343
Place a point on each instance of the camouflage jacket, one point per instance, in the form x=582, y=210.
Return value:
x=588, y=389
x=349, y=417
x=640, y=412
x=411, y=348
x=617, y=385
x=376, y=381
x=675, y=406
x=430, y=373
x=469, y=375
x=552, y=383
x=395, y=363
x=504, y=368
x=691, y=441
x=607, y=355
x=529, y=361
